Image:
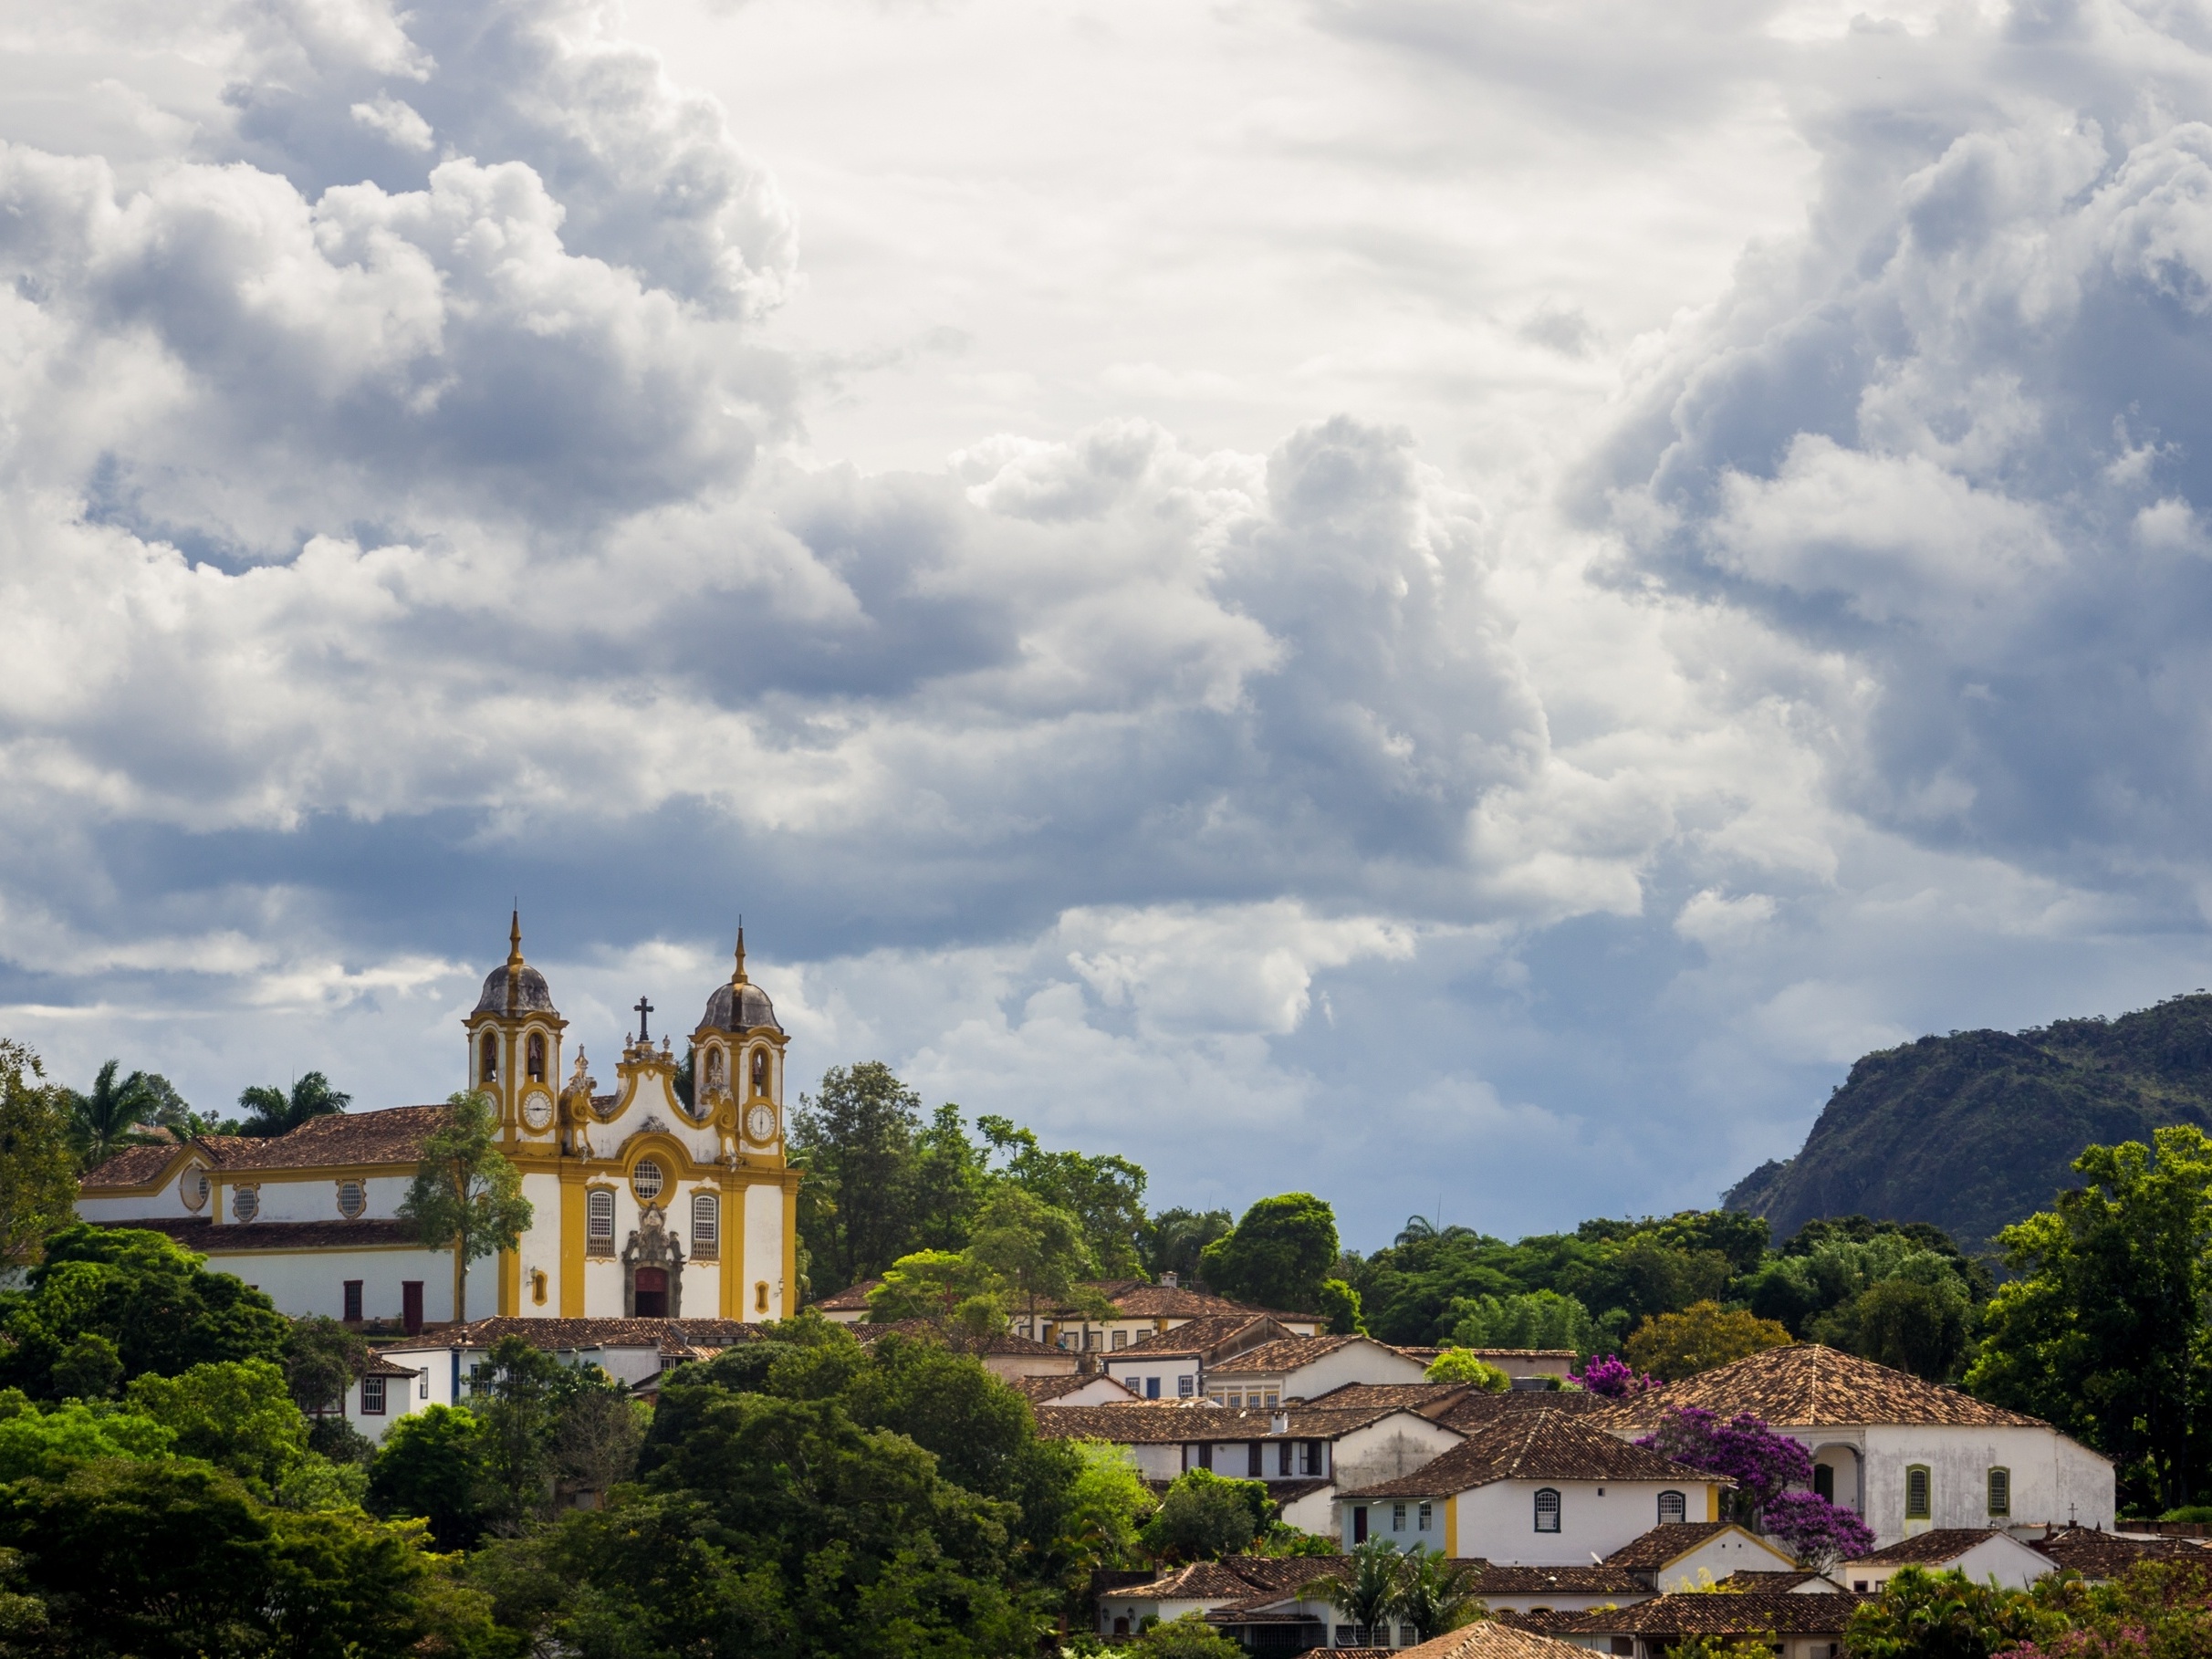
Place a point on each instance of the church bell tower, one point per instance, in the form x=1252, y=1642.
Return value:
x=514, y=1045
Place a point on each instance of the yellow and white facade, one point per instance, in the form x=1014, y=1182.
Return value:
x=640, y=1206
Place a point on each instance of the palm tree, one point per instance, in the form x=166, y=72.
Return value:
x=276, y=1113
x=104, y=1122
x=1436, y=1594
x=1367, y=1594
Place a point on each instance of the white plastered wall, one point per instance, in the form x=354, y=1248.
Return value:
x=1497, y=1521
x=763, y=1251
x=2054, y=1479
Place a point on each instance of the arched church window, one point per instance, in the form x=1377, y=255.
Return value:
x=535, y=1051
x=706, y=1225
x=489, y=1071
x=598, y=1223
x=714, y=1069
x=646, y=1179
x=760, y=1071
x=1547, y=1510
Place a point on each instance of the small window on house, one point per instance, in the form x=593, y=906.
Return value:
x=353, y=1301
x=1282, y=1458
x=246, y=1203
x=1917, y=1495
x=706, y=1225
x=422, y=1383
x=372, y=1396
x=1407, y=1635
x=1254, y=1452
x=193, y=1189
x=1397, y=1517
x=1185, y=1387
x=536, y=1063
x=2000, y=1492
x=488, y=1070
x=1548, y=1511
x=1672, y=1508
x=1427, y=1514
x=352, y=1199
x=1824, y=1481
x=1274, y=1398
x=1308, y=1458
x=1151, y=1388
x=1120, y=1339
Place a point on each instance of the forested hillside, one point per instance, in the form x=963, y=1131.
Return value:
x=1975, y=1129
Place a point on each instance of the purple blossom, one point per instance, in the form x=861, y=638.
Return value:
x=1613, y=1377
x=1817, y=1532
x=1761, y=1463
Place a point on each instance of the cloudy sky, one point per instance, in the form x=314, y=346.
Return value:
x=1455, y=604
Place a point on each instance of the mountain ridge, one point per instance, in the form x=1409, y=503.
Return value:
x=1977, y=1128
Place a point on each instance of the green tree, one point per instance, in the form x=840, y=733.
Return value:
x=90, y=1367
x=1537, y=1319
x=466, y=1196
x=49, y=1444
x=855, y=1140
x=1904, y=1324
x=1945, y=1615
x=1278, y=1256
x=1204, y=1517
x=1458, y=1365
x=1174, y=1239
x=152, y=1300
x=1188, y=1637
x=1105, y=1194
x=110, y=1116
x=271, y=1111
x=951, y=1176
x=1036, y=1251
x=2102, y=1330
x=950, y=1289
x=431, y=1467
x=38, y=1175
x=1108, y=1504
x=515, y=1394
x=236, y=1414
x=1704, y=1335
x=1435, y=1593
x=322, y=1359
x=1339, y=1304
x=1366, y=1591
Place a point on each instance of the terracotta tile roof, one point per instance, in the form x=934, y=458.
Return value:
x=1005, y=1342
x=852, y=1297
x=1043, y=1389
x=1236, y=1579
x=1430, y=1399
x=565, y=1335
x=1544, y=1622
x=2106, y=1555
x=392, y=1136
x=1492, y=1639
x=1159, y=1422
x=138, y=1165
x=1669, y=1542
x=1709, y=1613
x=1537, y=1445
x=1761, y=1580
x=1225, y=1335
x=1606, y=1580
x=198, y=1233
x=1937, y=1544
x=1808, y=1385
x=1285, y=1353
x=378, y=1366
x=1474, y=1408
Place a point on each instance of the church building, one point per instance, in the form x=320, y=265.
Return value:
x=641, y=1206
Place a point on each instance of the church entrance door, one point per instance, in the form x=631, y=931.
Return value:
x=653, y=1293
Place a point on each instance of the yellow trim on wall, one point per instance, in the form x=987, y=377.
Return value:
x=1451, y=1527
x=510, y=1283
x=730, y=1262
x=1712, y=1503
x=572, y=1246
x=791, y=1253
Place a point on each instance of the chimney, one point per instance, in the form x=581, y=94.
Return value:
x=1167, y=1280
x=1279, y=1423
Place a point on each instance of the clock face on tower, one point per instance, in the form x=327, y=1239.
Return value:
x=760, y=1123
x=537, y=1111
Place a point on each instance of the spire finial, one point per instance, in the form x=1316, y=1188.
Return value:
x=738, y=976
x=515, y=938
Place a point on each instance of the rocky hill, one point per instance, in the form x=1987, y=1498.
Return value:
x=1975, y=1129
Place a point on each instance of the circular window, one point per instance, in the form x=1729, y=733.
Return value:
x=246, y=1203
x=193, y=1189
x=352, y=1199
x=646, y=1178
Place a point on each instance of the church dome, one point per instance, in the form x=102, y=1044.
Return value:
x=739, y=1008
x=530, y=994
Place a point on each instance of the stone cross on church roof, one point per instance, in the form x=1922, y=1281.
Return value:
x=644, y=1008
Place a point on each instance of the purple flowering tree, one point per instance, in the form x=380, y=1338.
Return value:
x=1819, y=1533
x=1613, y=1377
x=1764, y=1468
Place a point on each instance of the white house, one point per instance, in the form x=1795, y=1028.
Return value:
x=1302, y=1452
x=1799, y=1624
x=1304, y=1368
x=1979, y=1552
x=1909, y=1456
x=1075, y=1389
x=1687, y=1555
x=1173, y=1364
x=643, y=1205
x=383, y=1393
x=1533, y=1488
x=1140, y=1309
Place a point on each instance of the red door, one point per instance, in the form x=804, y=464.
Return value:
x=652, y=1298
x=411, y=1306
